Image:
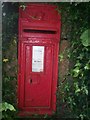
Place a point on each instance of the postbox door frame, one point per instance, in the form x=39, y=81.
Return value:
x=21, y=75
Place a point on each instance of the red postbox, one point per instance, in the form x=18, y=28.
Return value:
x=38, y=47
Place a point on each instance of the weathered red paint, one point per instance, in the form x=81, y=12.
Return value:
x=39, y=25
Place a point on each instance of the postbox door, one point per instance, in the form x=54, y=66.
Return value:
x=38, y=62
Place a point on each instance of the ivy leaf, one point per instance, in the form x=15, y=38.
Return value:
x=77, y=90
x=87, y=66
x=78, y=64
x=61, y=57
x=6, y=106
x=85, y=90
x=5, y=60
x=80, y=56
x=76, y=72
x=85, y=38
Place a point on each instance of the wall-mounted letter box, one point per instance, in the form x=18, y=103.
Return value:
x=38, y=46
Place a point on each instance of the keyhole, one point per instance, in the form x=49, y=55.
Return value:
x=30, y=80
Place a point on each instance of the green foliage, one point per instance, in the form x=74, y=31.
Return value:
x=8, y=111
x=75, y=91
x=9, y=60
x=6, y=106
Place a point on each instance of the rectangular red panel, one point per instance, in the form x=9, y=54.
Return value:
x=39, y=36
